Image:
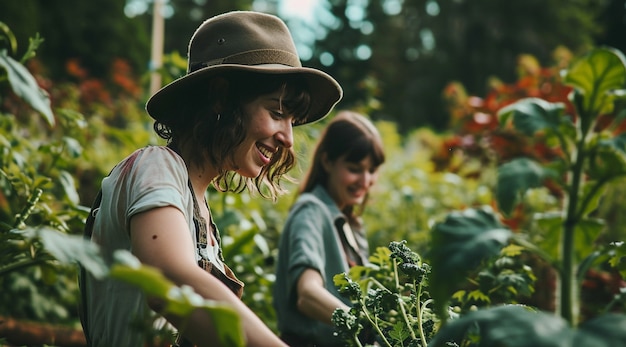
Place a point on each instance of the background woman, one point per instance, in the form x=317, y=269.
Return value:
x=228, y=123
x=323, y=235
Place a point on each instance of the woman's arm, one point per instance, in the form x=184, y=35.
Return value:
x=160, y=238
x=314, y=300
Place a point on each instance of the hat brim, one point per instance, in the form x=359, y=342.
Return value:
x=325, y=91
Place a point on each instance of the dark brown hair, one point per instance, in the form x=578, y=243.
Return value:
x=349, y=135
x=212, y=120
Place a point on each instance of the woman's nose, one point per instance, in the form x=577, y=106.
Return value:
x=285, y=134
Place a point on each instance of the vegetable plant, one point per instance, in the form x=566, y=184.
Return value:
x=588, y=138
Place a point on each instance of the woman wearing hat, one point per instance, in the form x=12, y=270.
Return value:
x=228, y=123
x=323, y=235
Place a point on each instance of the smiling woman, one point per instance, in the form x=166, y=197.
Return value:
x=323, y=235
x=228, y=123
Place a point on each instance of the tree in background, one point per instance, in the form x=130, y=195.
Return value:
x=419, y=46
x=93, y=32
x=392, y=56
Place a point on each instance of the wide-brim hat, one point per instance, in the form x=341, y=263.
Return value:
x=243, y=41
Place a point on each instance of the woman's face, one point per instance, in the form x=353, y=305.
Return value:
x=268, y=127
x=348, y=182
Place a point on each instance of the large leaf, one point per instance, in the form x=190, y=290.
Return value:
x=459, y=244
x=550, y=225
x=180, y=301
x=515, y=178
x=510, y=326
x=533, y=115
x=608, y=158
x=595, y=75
x=25, y=86
x=607, y=330
x=68, y=249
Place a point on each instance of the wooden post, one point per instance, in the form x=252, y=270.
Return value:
x=156, y=58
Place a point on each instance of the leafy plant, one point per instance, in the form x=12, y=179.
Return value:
x=40, y=210
x=390, y=299
x=591, y=156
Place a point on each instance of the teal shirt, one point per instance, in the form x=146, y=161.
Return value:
x=309, y=241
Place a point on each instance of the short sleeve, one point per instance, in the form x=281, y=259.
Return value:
x=305, y=240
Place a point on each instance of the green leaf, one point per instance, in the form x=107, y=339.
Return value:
x=25, y=86
x=178, y=301
x=551, y=226
x=608, y=158
x=533, y=115
x=618, y=257
x=67, y=182
x=69, y=249
x=586, y=234
x=594, y=75
x=459, y=244
x=511, y=326
x=478, y=295
x=515, y=178
x=606, y=330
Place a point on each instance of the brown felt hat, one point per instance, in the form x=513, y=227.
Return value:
x=244, y=41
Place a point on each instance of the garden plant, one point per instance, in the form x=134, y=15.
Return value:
x=458, y=278
x=587, y=139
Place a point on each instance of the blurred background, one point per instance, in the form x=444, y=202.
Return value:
x=432, y=74
x=393, y=56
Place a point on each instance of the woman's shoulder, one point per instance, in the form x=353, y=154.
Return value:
x=156, y=159
x=311, y=204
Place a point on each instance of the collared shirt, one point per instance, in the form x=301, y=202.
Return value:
x=312, y=240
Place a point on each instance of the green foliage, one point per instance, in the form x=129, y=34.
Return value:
x=518, y=326
x=179, y=301
x=460, y=244
x=569, y=229
x=40, y=209
x=390, y=300
x=591, y=156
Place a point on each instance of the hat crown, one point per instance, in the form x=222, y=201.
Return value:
x=242, y=37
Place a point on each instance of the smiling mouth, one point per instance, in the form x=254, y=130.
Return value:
x=267, y=153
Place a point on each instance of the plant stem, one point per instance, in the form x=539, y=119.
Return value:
x=399, y=299
x=419, y=314
x=567, y=304
x=19, y=265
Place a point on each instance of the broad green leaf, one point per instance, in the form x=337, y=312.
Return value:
x=68, y=249
x=180, y=301
x=595, y=75
x=533, y=115
x=586, y=234
x=25, y=86
x=515, y=178
x=591, y=195
x=607, y=330
x=551, y=228
x=608, y=158
x=511, y=326
x=459, y=244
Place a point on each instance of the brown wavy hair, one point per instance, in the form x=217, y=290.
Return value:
x=211, y=120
